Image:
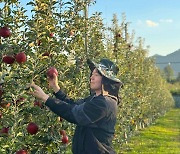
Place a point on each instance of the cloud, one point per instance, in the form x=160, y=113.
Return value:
x=166, y=20
x=151, y=23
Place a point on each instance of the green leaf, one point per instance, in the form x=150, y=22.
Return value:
x=31, y=3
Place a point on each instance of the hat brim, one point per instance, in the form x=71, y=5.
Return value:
x=93, y=65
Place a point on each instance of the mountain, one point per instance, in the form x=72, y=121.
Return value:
x=172, y=59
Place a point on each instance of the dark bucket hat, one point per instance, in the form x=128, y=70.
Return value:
x=106, y=67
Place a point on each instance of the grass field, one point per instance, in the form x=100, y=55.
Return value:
x=161, y=138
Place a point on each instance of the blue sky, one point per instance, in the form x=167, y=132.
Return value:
x=157, y=21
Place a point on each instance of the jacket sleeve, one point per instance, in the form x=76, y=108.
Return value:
x=62, y=96
x=90, y=112
x=84, y=114
x=61, y=108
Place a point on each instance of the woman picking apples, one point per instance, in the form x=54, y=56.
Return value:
x=95, y=116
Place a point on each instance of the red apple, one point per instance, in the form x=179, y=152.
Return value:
x=51, y=34
x=22, y=152
x=37, y=103
x=51, y=71
x=21, y=57
x=4, y=130
x=65, y=139
x=71, y=33
x=32, y=128
x=46, y=54
x=5, y=32
x=62, y=132
x=8, y=59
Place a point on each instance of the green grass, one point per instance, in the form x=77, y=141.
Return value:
x=161, y=138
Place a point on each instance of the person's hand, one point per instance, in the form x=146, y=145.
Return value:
x=53, y=83
x=38, y=92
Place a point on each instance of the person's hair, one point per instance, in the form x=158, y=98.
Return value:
x=112, y=87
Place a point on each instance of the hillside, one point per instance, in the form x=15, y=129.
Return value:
x=172, y=59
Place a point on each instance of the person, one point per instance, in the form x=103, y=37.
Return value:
x=95, y=115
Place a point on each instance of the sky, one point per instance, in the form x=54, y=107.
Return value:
x=156, y=21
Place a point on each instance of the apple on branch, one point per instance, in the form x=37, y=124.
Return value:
x=21, y=57
x=51, y=34
x=5, y=32
x=22, y=152
x=51, y=71
x=65, y=139
x=8, y=59
x=32, y=128
x=4, y=130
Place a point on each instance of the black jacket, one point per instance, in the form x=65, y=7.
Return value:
x=95, y=117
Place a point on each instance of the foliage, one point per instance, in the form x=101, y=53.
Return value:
x=174, y=88
x=47, y=40
x=169, y=73
x=178, y=77
x=144, y=94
